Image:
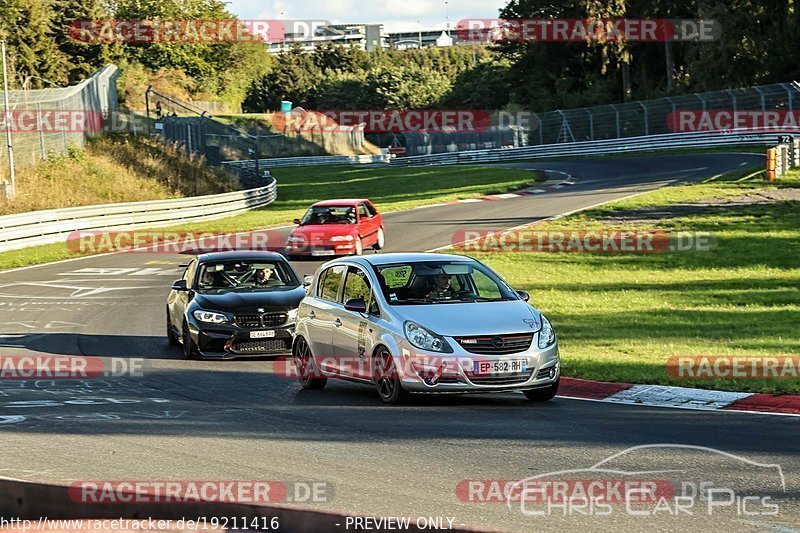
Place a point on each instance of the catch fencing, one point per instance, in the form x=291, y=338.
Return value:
x=653, y=143
x=96, y=94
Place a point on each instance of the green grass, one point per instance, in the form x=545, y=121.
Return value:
x=620, y=317
x=390, y=188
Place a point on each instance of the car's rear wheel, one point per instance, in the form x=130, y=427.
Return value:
x=171, y=337
x=189, y=349
x=359, y=246
x=381, y=240
x=543, y=394
x=390, y=389
x=307, y=373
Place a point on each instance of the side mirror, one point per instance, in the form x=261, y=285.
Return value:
x=357, y=305
x=524, y=295
x=180, y=286
x=296, y=221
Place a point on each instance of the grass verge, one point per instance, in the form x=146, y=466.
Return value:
x=621, y=317
x=391, y=188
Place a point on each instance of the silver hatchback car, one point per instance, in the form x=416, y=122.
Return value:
x=422, y=323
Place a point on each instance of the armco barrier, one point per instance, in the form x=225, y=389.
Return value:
x=628, y=145
x=279, y=162
x=32, y=501
x=54, y=225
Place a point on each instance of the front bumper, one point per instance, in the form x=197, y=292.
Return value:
x=420, y=368
x=226, y=341
x=321, y=250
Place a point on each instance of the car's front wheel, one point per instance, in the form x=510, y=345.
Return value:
x=542, y=395
x=171, y=337
x=359, y=246
x=189, y=349
x=307, y=373
x=390, y=389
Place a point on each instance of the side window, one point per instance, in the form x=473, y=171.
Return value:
x=189, y=274
x=329, y=282
x=356, y=285
x=362, y=211
x=371, y=209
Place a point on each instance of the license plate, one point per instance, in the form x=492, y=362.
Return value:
x=318, y=253
x=500, y=367
x=262, y=334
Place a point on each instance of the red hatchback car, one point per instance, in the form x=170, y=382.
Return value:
x=336, y=227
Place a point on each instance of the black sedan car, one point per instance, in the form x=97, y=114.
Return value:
x=234, y=304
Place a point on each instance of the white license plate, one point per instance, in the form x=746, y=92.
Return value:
x=500, y=367
x=318, y=253
x=262, y=334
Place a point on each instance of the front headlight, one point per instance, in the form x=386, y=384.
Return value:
x=424, y=339
x=295, y=239
x=292, y=315
x=547, y=336
x=339, y=238
x=210, y=317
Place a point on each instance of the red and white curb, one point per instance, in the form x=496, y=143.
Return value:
x=679, y=397
x=549, y=185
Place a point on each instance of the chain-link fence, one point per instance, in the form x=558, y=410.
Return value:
x=200, y=134
x=652, y=117
x=47, y=121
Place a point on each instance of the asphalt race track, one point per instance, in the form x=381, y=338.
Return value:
x=236, y=420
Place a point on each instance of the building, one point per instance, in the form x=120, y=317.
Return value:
x=368, y=37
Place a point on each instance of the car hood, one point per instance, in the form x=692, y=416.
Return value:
x=476, y=318
x=326, y=230
x=250, y=300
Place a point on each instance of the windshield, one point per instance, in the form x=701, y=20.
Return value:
x=336, y=214
x=234, y=275
x=439, y=282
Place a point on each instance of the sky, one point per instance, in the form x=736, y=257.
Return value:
x=395, y=15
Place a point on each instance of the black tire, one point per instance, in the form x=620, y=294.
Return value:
x=359, y=247
x=543, y=394
x=387, y=380
x=189, y=349
x=306, y=367
x=171, y=337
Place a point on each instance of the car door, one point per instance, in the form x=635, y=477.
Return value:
x=179, y=300
x=351, y=342
x=320, y=315
x=367, y=227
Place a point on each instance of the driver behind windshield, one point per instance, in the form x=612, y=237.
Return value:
x=264, y=277
x=441, y=288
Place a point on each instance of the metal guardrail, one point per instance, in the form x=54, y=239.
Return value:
x=280, y=162
x=54, y=225
x=629, y=145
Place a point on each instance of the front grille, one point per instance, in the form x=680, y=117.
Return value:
x=266, y=320
x=504, y=379
x=496, y=344
x=263, y=346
